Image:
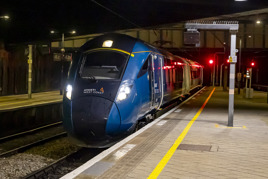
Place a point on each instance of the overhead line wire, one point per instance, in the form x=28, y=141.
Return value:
x=111, y=11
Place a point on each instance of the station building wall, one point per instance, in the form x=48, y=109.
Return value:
x=251, y=35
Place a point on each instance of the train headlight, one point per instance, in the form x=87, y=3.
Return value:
x=69, y=90
x=124, y=91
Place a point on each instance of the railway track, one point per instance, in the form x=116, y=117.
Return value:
x=33, y=144
x=20, y=142
x=65, y=165
x=21, y=134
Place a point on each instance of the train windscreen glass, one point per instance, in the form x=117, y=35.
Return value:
x=103, y=65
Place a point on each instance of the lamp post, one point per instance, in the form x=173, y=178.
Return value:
x=239, y=74
x=62, y=57
x=4, y=17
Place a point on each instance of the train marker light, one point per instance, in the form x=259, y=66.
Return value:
x=107, y=43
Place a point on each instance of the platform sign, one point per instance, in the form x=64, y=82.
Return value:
x=191, y=38
x=58, y=57
x=232, y=59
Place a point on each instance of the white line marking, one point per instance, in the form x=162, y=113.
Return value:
x=120, y=153
x=161, y=123
x=178, y=110
x=107, y=152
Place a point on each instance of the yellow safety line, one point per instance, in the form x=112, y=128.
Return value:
x=114, y=49
x=158, y=169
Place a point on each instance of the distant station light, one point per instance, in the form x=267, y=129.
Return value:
x=73, y=32
x=211, y=61
x=52, y=32
x=258, y=22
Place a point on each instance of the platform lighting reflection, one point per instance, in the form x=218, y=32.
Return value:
x=240, y=0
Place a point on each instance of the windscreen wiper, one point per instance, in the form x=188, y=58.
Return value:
x=90, y=77
x=113, y=68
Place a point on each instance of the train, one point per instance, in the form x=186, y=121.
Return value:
x=117, y=82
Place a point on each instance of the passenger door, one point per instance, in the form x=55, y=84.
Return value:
x=156, y=79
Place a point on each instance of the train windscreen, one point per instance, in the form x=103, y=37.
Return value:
x=103, y=65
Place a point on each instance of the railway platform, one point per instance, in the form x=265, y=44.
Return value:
x=19, y=114
x=15, y=102
x=192, y=141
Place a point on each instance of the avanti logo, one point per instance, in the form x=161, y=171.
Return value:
x=94, y=91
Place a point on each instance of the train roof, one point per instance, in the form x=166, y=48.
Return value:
x=119, y=41
x=126, y=43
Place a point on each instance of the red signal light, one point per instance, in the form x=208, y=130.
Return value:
x=228, y=60
x=211, y=61
x=252, y=64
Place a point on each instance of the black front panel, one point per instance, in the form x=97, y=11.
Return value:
x=90, y=115
x=105, y=89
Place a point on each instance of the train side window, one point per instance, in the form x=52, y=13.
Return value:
x=144, y=68
x=195, y=73
x=179, y=74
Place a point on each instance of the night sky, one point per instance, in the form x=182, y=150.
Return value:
x=32, y=20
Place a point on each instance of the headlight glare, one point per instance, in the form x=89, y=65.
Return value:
x=69, y=90
x=124, y=91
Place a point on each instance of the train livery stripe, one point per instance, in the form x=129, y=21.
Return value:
x=149, y=52
x=158, y=169
x=113, y=49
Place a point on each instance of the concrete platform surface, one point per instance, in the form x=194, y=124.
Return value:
x=14, y=102
x=192, y=141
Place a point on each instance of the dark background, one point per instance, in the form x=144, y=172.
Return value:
x=32, y=20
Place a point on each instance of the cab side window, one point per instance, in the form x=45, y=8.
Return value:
x=144, y=68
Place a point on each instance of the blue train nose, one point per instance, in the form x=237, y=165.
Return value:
x=90, y=115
